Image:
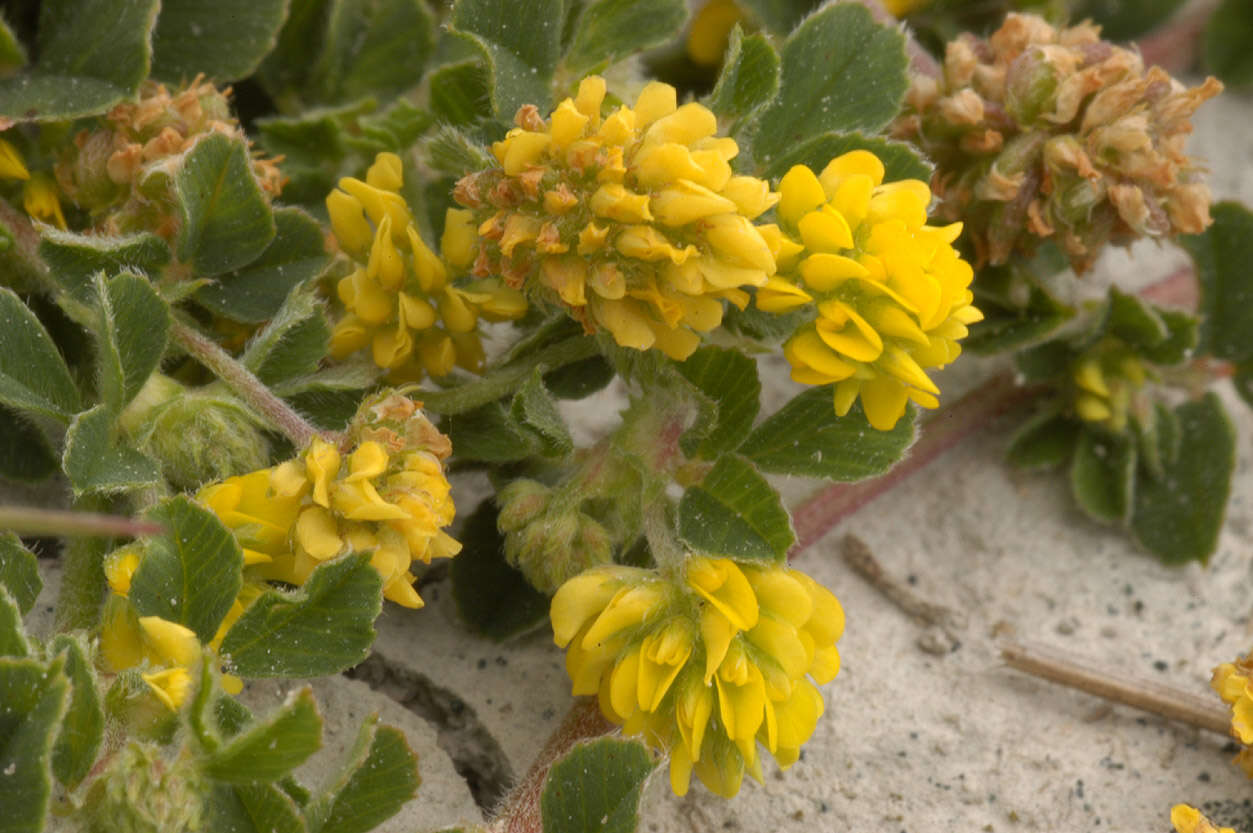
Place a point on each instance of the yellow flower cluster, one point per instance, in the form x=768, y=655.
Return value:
x=1105, y=380
x=389, y=496
x=169, y=650
x=705, y=666
x=891, y=294
x=1234, y=683
x=632, y=220
x=1188, y=819
x=401, y=302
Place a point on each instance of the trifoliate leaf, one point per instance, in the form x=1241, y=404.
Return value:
x=226, y=222
x=82, y=728
x=729, y=378
x=92, y=54
x=521, y=43
x=375, y=48
x=95, y=462
x=380, y=776
x=806, y=437
x=1222, y=254
x=493, y=597
x=224, y=39
x=842, y=72
x=19, y=572
x=597, y=786
x=192, y=572
x=607, y=31
x=254, y=294
x=749, y=79
x=271, y=747
x=1178, y=516
x=322, y=627
x=35, y=696
x=735, y=512
x=1102, y=475
x=293, y=343
x=33, y=376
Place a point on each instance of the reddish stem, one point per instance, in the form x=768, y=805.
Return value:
x=522, y=811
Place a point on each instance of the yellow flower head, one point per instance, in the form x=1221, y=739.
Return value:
x=387, y=495
x=890, y=294
x=1234, y=683
x=1188, y=819
x=631, y=219
x=402, y=301
x=706, y=666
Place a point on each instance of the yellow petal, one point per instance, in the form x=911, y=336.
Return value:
x=589, y=97
x=459, y=240
x=170, y=686
x=825, y=230
x=738, y=240
x=568, y=124
x=854, y=163
x=723, y=584
x=752, y=196
x=348, y=221
x=317, y=533
x=617, y=203
x=686, y=202
x=800, y=193
x=655, y=101
x=170, y=642
x=807, y=348
x=823, y=272
x=884, y=402
x=577, y=601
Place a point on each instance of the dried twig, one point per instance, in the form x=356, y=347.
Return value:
x=1077, y=672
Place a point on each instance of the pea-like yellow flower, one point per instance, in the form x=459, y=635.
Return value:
x=11, y=164
x=890, y=294
x=402, y=300
x=1188, y=819
x=706, y=665
x=169, y=650
x=1234, y=683
x=1106, y=378
x=632, y=219
x=41, y=201
x=388, y=496
x=710, y=32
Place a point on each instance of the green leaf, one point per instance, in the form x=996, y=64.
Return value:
x=579, y=379
x=224, y=39
x=82, y=729
x=13, y=642
x=735, y=512
x=270, y=749
x=1158, y=438
x=323, y=627
x=493, y=598
x=293, y=343
x=729, y=378
x=1227, y=37
x=521, y=42
x=1102, y=475
x=1124, y=20
x=459, y=93
x=749, y=79
x=841, y=72
x=534, y=410
x=25, y=452
x=900, y=160
x=596, y=787
x=1044, y=441
x=92, y=54
x=490, y=434
x=73, y=258
x=395, y=129
x=254, y=294
x=380, y=776
x=33, y=376
x=1006, y=327
x=1133, y=319
x=779, y=16
x=1222, y=254
x=1178, y=516
x=373, y=48
x=226, y=222
x=609, y=30
x=289, y=65
x=95, y=463
x=252, y=808
x=806, y=437
x=19, y=571
x=192, y=572
x=12, y=53
x=1183, y=331
x=35, y=697
x=132, y=329
x=314, y=146
x=1046, y=361
x=329, y=398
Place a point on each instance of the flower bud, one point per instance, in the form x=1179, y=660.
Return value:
x=520, y=502
x=143, y=791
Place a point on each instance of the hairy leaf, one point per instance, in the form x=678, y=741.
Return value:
x=35, y=697
x=33, y=376
x=94, y=461
x=19, y=571
x=729, y=378
x=607, y=31
x=82, y=729
x=224, y=39
x=380, y=776
x=270, y=748
x=735, y=512
x=597, y=786
x=521, y=43
x=492, y=597
x=375, y=48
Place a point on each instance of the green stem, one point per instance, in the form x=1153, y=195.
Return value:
x=248, y=387
x=507, y=379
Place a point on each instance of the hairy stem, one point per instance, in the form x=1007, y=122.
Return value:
x=522, y=812
x=29, y=520
x=1147, y=695
x=248, y=387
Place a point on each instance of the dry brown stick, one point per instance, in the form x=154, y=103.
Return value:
x=1077, y=672
x=858, y=556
